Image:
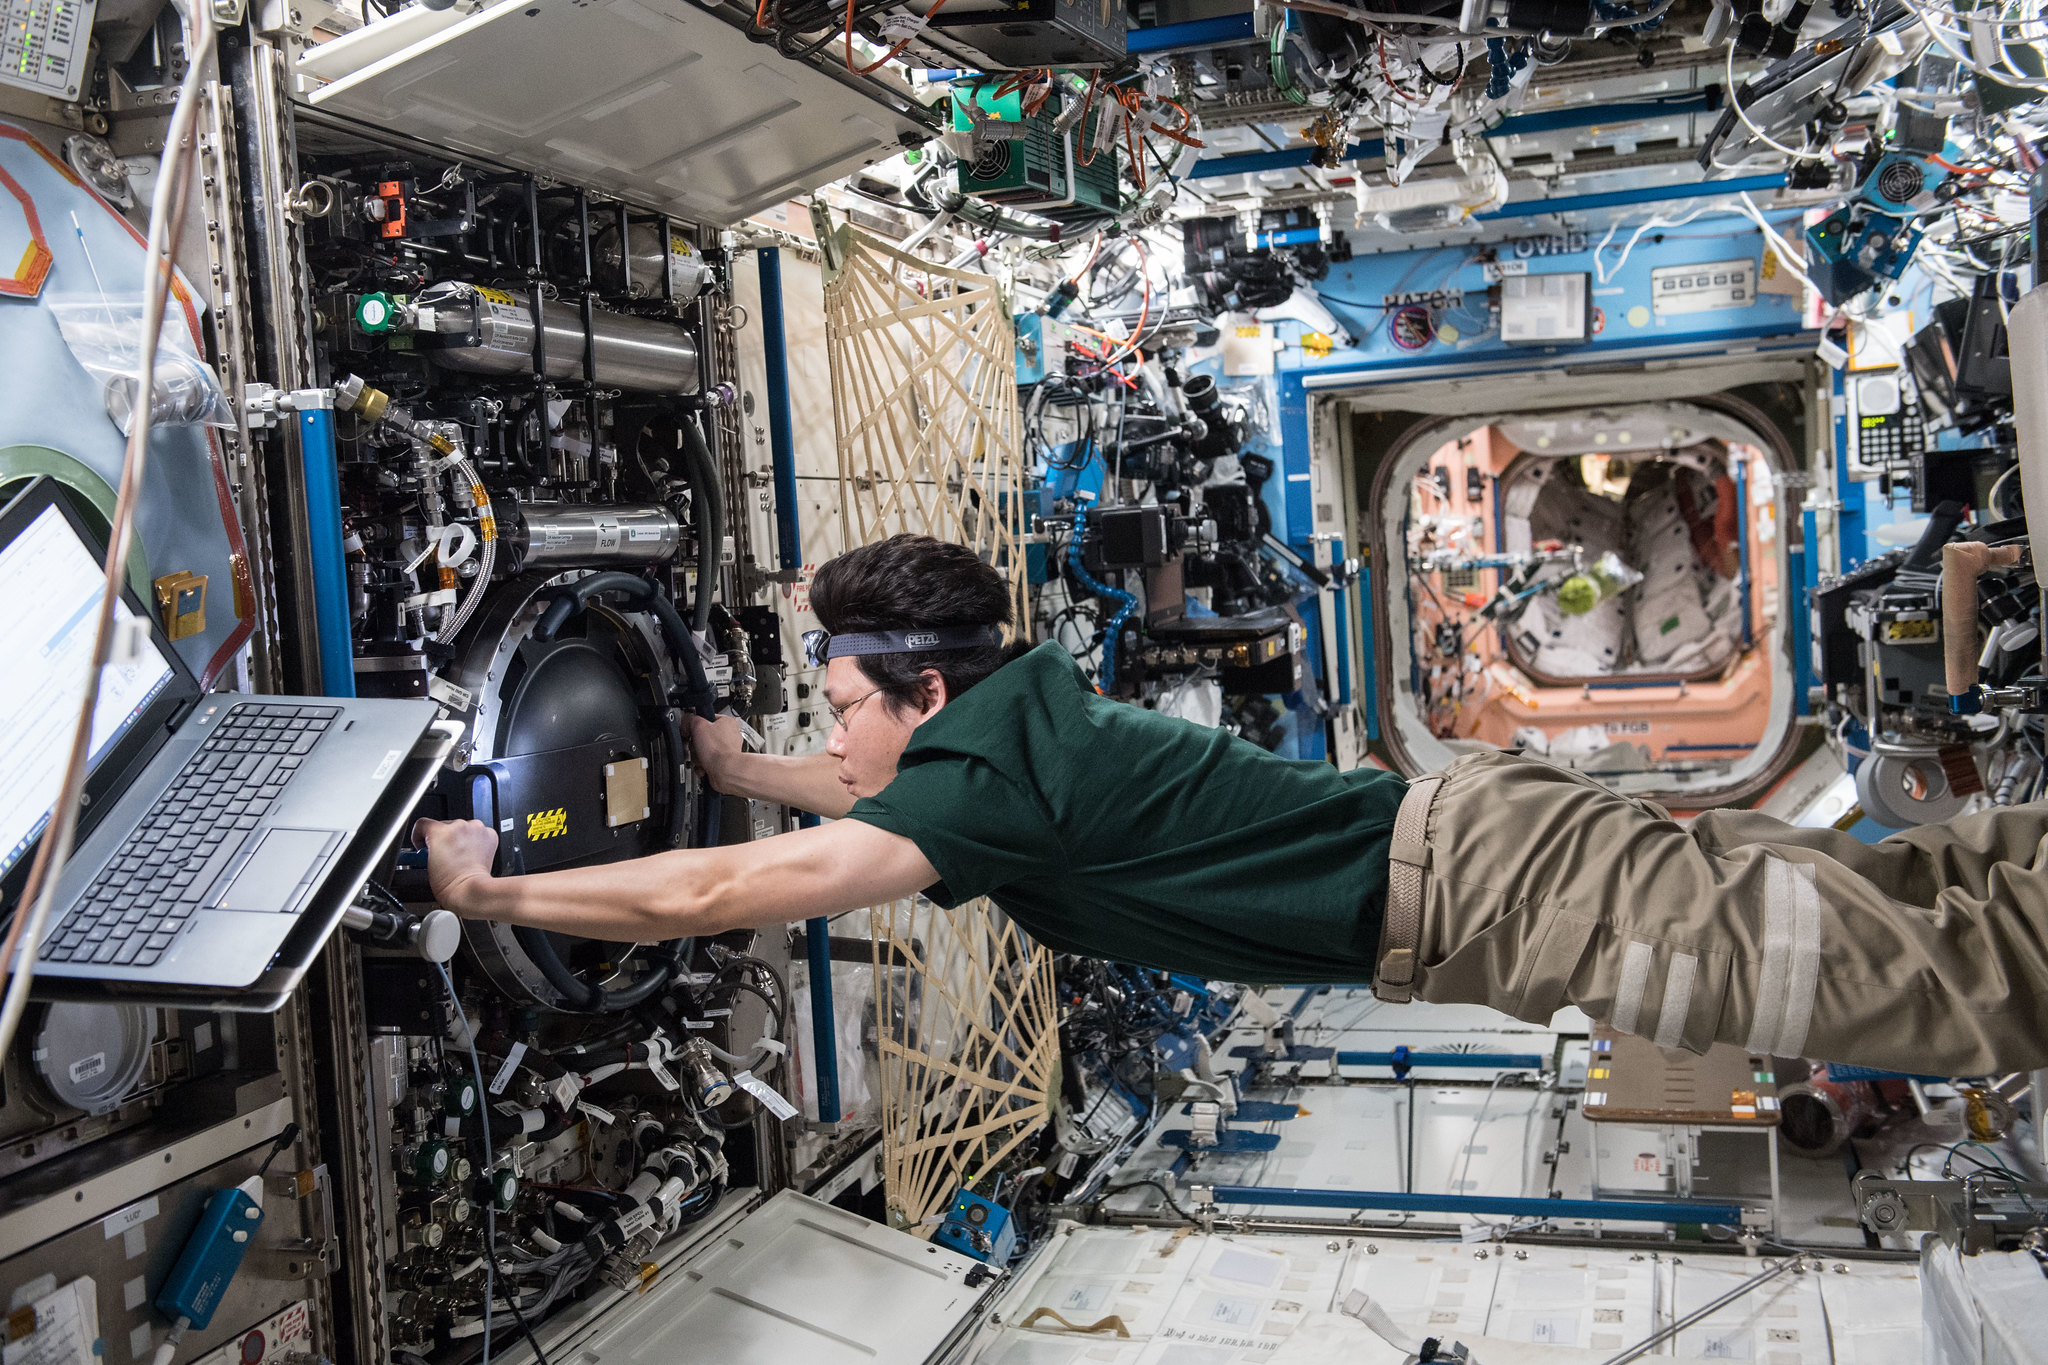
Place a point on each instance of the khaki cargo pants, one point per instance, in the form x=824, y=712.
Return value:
x=1524, y=886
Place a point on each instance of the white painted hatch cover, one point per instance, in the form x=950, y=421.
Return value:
x=796, y=1280
x=652, y=100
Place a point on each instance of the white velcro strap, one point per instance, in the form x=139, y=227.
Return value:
x=1677, y=1007
x=1635, y=979
x=1789, y=975
x=1802, y=981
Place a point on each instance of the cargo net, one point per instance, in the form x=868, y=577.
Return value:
x=967, y=1040
x=924, y=406
x=924, y=402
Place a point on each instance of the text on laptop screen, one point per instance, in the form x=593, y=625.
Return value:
x=48, y=610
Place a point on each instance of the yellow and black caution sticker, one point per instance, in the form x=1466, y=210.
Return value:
x=546, y=824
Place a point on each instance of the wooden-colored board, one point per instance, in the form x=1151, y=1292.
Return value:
x=1632, y=1080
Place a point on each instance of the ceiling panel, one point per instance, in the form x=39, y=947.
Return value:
x=654, y=100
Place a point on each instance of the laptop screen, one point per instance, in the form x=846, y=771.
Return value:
x=50, y=587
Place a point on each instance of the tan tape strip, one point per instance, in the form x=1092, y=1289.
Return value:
x=1108, y=1324
x=1677, y=1006
x=1401, y=931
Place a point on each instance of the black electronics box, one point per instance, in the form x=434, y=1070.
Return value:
x=1124, y=538
x=1260, y=652
x=1013, y=35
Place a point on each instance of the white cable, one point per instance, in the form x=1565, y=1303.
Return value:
x=158, y=274
x=757, y=1054
x=1653, y=221
x=918, y=238
x=1935, y=31
x=1786, y=254
x=1457, y=1183
x=482, y=583
x=169, y=1350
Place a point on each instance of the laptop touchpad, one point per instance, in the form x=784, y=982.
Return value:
x=281, y=864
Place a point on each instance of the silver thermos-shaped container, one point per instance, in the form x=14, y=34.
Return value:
x=564, y=535
x=486, y=330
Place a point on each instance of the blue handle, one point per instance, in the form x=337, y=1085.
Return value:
x=329, y=562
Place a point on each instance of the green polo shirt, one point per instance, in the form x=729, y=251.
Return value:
x=1107, y=829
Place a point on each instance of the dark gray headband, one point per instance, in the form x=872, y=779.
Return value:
x=856, y=643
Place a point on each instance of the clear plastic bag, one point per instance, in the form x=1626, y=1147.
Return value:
x=1587, y=589
x=105, y=336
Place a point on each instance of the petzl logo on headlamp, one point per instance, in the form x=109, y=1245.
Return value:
x=920, y=640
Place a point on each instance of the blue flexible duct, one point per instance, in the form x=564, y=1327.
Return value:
x=1123, y=613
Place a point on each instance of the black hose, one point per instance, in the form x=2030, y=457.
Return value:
x=672, y=737
x=707, y=502
x=651, y=982
x=580, y=995
x=1941, y=524
x=577, y=994
x=640, y=595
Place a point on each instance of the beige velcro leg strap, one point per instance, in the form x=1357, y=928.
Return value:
x=1407, y=860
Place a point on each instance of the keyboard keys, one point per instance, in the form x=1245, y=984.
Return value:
x=148, y=890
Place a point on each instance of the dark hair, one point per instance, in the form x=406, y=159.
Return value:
x=910, y=583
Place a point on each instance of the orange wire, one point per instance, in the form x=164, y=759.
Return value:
x=1088, y=264
x=1180, y=134
x=1144, y=309
x=1103, y=354
x=886, y=57
x=1081, y=124
x=1023, y=80
x=1031, y=106
x=1389, y=76
x=1958, y=170
x=1134, y=140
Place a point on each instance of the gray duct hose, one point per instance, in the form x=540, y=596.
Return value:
x=707, y=502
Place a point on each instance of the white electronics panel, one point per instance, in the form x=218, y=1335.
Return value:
x=1702, y=288
x=1544, y=310
x=45, y=44
x=656, y=101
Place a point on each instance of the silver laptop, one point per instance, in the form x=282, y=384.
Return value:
x=212, y=820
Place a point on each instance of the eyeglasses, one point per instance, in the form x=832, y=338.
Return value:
x=840, y=713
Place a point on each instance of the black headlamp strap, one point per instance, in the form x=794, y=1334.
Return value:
x=855, y=643
x=821, y=646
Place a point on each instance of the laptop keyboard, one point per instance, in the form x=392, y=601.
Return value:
x=148, y=890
